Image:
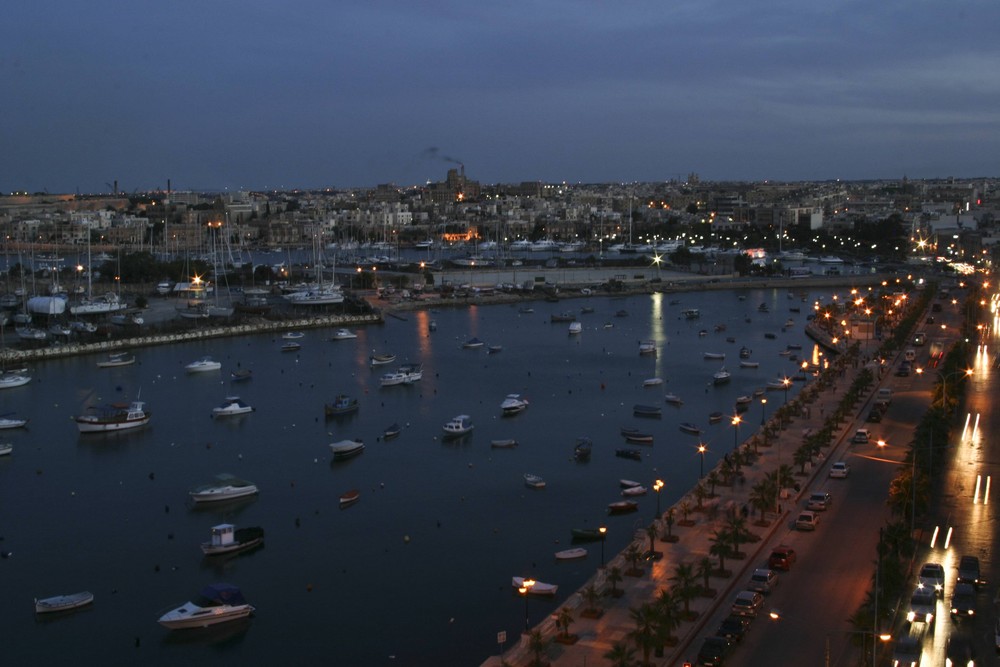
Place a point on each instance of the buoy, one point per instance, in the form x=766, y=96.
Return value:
x=406, y=539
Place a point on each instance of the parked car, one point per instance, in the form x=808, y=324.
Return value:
x=747, y=603
x=963, y=601
x=907, y=652
x=807, y=520
x=782, y=557
x=734, y=628
x=874, y=415
x=968, y=570
x=762, y=580
x=840, y=470
x=713, y=651
x=923, y=605
x=819, y=501
x=861, y=436
x=931, y=577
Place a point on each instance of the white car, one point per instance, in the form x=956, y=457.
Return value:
x=840, y=470
x=923, y=605
x=762, y=581
x=807, y=520
x=862, y=436
x=931, y=577
x=747, y=603
x=819, y=501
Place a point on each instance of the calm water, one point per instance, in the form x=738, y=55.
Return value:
x=419, y=571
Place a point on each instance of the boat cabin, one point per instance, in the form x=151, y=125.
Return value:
x=223, y=534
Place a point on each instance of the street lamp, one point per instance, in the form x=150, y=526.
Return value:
x=763, y=411
x=603, y=530
x=524, y=589
x=786, y=382
x=658, y=486
x=737, y=420
x=701, y=450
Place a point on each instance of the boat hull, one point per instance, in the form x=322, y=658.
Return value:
x=59, y=603
x=86, y=424
x=190, y=616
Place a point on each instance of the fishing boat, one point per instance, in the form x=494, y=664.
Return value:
x=458, y=426
x=203, y=365
x=635, y=435
x=225, y=487
x=345, y=449
x=622, y=507
x=342, y=404
x=673, y=399
x=533, y=481
x=571, y=554
x=228, y=539
x=348, y=498
x=586, y=534
x=117, y=359
x=381, y=359
x=582, y=449
x=232, y=406
x=391, y=431
x=11, y=422
x=538, y=588
x=638, y=490
x=343, y=334
x=641, y=410
x=513, y=404
x=688, y=427
x=218, y=603
x=633, y=454
x=113, y=417
x=473, y=344
x=505, y=443
x=58, y=603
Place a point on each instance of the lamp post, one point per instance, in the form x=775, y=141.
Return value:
x=603, y=530
x=763, y=411
x=524, y=589
x=658, y=486
x=786, y=382
x=736, y=431
x=701, y=468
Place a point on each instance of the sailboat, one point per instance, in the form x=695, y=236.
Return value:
x=89, y=305
x=319, y=294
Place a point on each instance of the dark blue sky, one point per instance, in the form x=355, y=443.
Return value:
x=312, y=93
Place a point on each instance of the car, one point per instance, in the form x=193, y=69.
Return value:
x=807, y=520
x=907, y=652
x=931, y=577
x=734, y=628
x=904, y=369
x=747, y=603
x=874, y=416
x=762, y=580
x=713, y=651
x=781, y=558
x=930, y=320
x=861, y=436
x=968, y=570
x=819, y=501
x=840, y=470
x=963, y=601
x=959, y=652
x=923, y=605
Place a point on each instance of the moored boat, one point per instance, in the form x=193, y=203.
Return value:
x=225, y=487
x=513, y=404
x=391, y=431
x=116, y=359
x=241, y=376
x=688, y=427
x=348, y=498
x=6, y=448
x=582, y=449
x=342, y=404
x=586, y=534
x=458, y=426
x=506, y=443
x=228, y=539
x=641, y=410
x=10, y=422
x=233, y=405
x=647, y=347
x=638, y=490
x=635, y=435
x=293, y=335
x=381, y=359
x=714, y=355
x=749, y=364
x=715, y=417
x=575, y=328
x=721, y=376
x=203, y=365
x=533, y=481
x=673, y=399
x=113, y=417
x=291, y=346
x=58, y=603
x=473, y=344
x=623, y=507
x=571, y=554
x=652, y=382
x=218, y=603
x=345, y=449
x=633, y=454
x=538, y=588
x=343, y=334
x=10, y=380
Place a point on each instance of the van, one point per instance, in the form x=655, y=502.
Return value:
x=884, y=396
x=910, y=355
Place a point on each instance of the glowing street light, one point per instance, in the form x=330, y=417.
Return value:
x=603, y=530
x=737, y=420
x=524, y=589
x=658, y=486
x=701, y=450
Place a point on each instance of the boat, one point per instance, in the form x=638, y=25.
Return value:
x=293, y=335
x=506, y=443
x=586, y=534
x=641, y=410
x=582, y=449
x=291, y=346
x=744, y=400
x=348, y=498
x=793, y=346
x=749, y=364
x=241, y=376
x=635, y=435
x=538, y=588
x=203, y=365
x=691, y=313
x=116, y=359
x=647, y=347
x=225, y=487
x=494, y=349
x=343, y=334
x=458, y=426
x=638, y=490
x=789, y=322
x=230, y=407
x=58, y=603
x=11, y=380
x=571, y=554
x=622, y=507
x=342, y=405
x=745, y=352
x=633, y=454
x=381, y=359
x=473, y=344
x=432, y=325
x=533, y=481
x=345, y=449
x=762, y=308
x=776, y=385
x=562, y=317
x=770, y=336
x=785, y=353
x=113, y=417
x=715, y=417
x=11, y=422
x=714, y=355
x=575, y=328
x=513, y=404
x=652, y=382
x=227, y=539
x=525, y=310
x=673, y=399
x=391, y=431
x=392, y=378
x=688, y=427
x=721, y=376
x=218, y=603
x=6, y=448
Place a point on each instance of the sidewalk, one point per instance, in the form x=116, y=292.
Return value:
x=595, y=637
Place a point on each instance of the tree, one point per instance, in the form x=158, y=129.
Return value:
x=803, y=455
x=721, y=548
x=685, y=585
x=705, y=572
x=712, y=479
x=537, y=644
x=646, y=630
x=762, y=495
x=614, y=576
x=621, y=655
x=591, y=597
x=668, y=519
x=668, y=608
x=633, y=554
x=685, y=508
x=564, y=618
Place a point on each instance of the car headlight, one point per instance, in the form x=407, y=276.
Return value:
x=910, y=616
x=928, y=618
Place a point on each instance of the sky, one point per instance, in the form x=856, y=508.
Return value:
x=308, y=94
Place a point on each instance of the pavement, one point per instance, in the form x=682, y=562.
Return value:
x=595, y=637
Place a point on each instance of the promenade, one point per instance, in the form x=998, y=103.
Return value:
x=591, y=638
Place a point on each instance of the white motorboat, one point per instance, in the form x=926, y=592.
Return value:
x=293, y=335
x=116, y=359
x=343, y=334
x=638, y=490
x=533, y=481
x=58, y=603
x=721, y=376
x=203, y=365
x=10, y=380
x=10, y=422
x=6, y=448
x=513, y=404
x=345, y=449
x=227, y=539
x=113, y=417
x=715, y=356
x=392, y=378
x=457, y=426
x=537, y=588
x=673, y=399
x=233, y=405
x=571, y=554
x=647, y=347
x=652, y=382
x=218, y=603
x=575, y=328
x=226, y=487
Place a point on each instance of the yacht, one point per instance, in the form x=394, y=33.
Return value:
x=218, y=603
x=457, y=426
x=513, y=404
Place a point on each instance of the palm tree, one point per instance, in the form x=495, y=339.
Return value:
x=621, y=655
x=803, y=455
x=699, y=495
x=564, y=618
x=614, y=576
x=685, y=508
x=591, y=597
x=705, y=572
x=720, y=548
x=669, y=609
x=668, y=519
x=712, y=479
x=762, y=497
x=685, y=585
x=537, y=644
x=633, y=555
x=646, y=631
x=651, y=532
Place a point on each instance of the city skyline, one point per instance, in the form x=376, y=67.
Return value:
x=311, y=95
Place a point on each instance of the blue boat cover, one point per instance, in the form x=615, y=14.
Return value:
x=223, y=594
